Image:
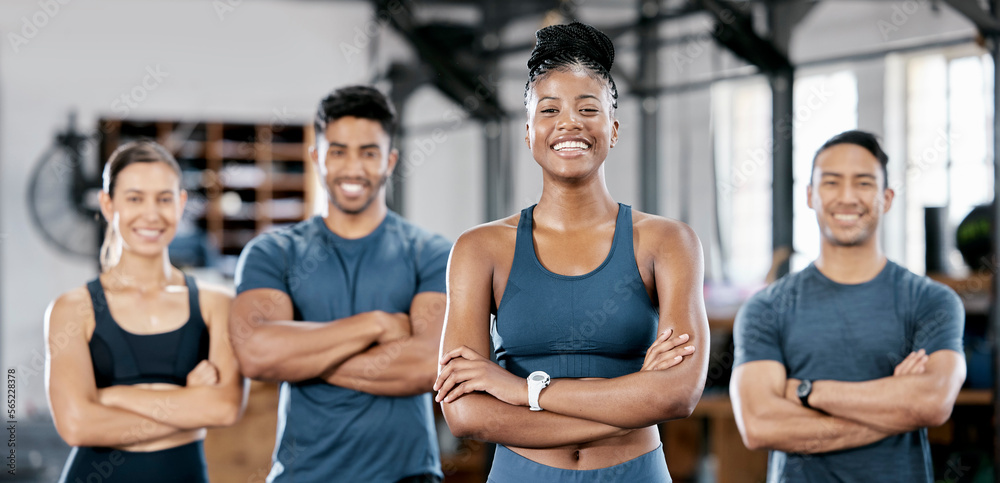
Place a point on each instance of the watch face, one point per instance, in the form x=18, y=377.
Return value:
x=539, y=376
x=804, y=388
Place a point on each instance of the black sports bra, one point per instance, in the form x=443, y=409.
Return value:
x=123, y=358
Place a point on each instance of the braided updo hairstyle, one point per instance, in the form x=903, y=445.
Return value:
x=573, y=46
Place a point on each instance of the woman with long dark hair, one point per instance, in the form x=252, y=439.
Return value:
x=600, y=330
x=139, y=361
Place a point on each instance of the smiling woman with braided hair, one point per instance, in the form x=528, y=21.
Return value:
x=600, y=329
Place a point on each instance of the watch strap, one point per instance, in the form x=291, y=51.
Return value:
x=804, y=397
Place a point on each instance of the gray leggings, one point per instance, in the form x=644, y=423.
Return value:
x=510, y=467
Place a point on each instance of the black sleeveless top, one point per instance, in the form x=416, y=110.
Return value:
x=121, y=357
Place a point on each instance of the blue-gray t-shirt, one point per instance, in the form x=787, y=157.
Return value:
x=326, y=432
x=819, y=329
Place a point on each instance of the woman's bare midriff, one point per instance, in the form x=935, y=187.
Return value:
x=596, y=454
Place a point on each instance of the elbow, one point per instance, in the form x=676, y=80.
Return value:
x=457, y=424
x=460, y=422
x=753, y=439
x=462, y=430
x=684, y=408
x=755, y=433
x=72, y=435
x=753, y=429
x=253, y=359
x=249, y=369
x=680, y=406
x=935, y=413
x=72, y=428
x=227, y=413
x=229, y=404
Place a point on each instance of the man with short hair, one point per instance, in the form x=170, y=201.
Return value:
x=346, y=312
x=841, y=367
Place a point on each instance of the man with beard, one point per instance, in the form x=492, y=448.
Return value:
x=346, y=311
x=840, y=368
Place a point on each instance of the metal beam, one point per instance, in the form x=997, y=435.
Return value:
x=987, y=24
x=734, y=30
x=405, y=79
x=781, y=75
x=463, y=86
x=646, y=87
x=995, y=299
x=498, y=178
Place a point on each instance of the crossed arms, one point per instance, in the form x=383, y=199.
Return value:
x=484, y=401
x=375, y=352
x=920, y=393
x=131, y=416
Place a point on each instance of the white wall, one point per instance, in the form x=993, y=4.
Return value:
x=443, y=165
x=260, y=60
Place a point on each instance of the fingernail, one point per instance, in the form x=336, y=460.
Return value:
x=689, y=348
x=678, y=358
x=683, y=336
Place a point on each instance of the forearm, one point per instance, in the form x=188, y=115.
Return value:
x=405, y=367
x=632, y=401
x=296, y=351
x=483, y=417
x=896, y=404
x=794, y=429
x=94, y=424
x=181, y=407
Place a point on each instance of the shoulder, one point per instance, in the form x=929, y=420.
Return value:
x=778, y=295
x=922, y=290
x=214, y=301
x=72, y=308
x=278, y=247
x=215, y=295
x=282, y=239
x=489, y=236
x=664, y=235
x=417, y=236
x=486, y=244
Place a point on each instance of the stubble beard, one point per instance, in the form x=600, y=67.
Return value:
x=364, y=206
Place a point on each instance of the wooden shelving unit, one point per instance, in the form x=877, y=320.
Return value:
x=242, y=178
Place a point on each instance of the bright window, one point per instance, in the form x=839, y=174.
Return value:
x=949, y=143
x=741, y=112
x=825, y=105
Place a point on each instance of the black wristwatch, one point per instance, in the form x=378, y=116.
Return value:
x=804, y=390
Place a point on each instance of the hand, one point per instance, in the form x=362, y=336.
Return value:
x=394, y=326
x=204, y=374
x=463, y=370
x=792, y=390
x=915, y=363
x=666, y=352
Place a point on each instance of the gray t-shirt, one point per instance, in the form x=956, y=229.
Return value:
x=822, y=330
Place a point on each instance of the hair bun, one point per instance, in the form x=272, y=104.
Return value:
x=573, y=40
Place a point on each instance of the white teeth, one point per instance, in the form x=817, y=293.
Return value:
x=845, y=217
x=351, y=188
x=148, y=233
x=571, y=145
